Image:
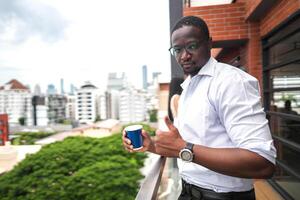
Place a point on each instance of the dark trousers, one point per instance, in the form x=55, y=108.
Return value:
x=192, y=192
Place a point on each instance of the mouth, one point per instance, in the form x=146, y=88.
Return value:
x=186, y=65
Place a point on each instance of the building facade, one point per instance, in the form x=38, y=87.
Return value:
x=87, y=100
x=70, y=107
x=132, y=106
x=15, y=100
x=56, y=108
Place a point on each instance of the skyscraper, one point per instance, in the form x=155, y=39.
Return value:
x=145, y=80
x=51, y=89
x=62, y=86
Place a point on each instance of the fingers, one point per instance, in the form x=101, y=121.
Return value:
x=145, y=134
x=159, y=132
x=129, y=147
x=169, y=123
x=126, y=142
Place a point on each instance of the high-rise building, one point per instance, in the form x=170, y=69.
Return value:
x=15, y=100
x=51, y=89
x=70, y=107
x=145, y=77
x=40, y=115
x=132, y=107
x=103, y=106
x=62, y=90
x=37, y=90
x=56, y=108
x=155, y=76
x=87, y=103
x=116, y=81
x=72, y=89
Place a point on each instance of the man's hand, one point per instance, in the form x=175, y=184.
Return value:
x=165, y=143
x=147, y=143
x=169, y=143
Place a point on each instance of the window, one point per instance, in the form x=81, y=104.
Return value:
x=281, y=68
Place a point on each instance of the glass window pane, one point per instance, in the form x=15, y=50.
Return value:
x=286, y=128
x=289, y=183
x=286, y=77
x=286, y=102
x=286, y=49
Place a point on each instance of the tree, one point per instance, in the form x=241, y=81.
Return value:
x=153, y=115
x=22, y=121
x=76, y=168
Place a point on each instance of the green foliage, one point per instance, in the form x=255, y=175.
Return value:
x=98, y=118
x=153, y=115
x=27, y=138
x=76, y=168
x=22, y=121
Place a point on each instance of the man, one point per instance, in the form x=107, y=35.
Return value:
x=222, y=136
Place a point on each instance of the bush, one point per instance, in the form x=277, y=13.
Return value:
x=22, y=121
x=152, y=115
x=28, y=138
x=76, y=168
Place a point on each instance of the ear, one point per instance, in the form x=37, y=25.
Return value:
x=210, y=43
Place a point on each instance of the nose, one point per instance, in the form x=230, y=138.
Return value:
x=185, y=55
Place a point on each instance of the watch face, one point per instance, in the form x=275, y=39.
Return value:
x=186, y=155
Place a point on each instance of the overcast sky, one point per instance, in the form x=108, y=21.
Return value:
x=42, y=41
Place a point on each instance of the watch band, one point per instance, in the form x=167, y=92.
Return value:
x=190, y=146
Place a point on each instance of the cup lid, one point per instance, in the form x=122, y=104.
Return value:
x=133, y=127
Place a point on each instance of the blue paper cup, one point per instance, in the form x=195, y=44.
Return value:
x=134, y=133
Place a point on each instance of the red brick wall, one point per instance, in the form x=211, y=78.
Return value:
x=251, y=5
x=228, y=22
x=225, y=22
x=3, y=128
x=279, y=12
x=230, y=53
x=254, y=51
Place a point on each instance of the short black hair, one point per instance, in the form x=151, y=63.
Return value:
x=192, y=21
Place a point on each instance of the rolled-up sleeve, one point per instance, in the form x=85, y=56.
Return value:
x=240, y=111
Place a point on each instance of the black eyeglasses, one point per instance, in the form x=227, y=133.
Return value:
x=190, y=47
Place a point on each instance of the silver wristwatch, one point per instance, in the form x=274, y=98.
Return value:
x=186, y=154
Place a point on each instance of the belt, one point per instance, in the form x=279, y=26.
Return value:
x=201, y=193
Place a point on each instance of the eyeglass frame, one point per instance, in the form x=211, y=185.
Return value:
x=185, y=47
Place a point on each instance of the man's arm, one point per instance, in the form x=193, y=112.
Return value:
x=229, y=161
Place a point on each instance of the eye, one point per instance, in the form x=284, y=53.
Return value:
x=177, y=49
x=192, y=46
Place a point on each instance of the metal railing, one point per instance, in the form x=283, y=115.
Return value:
x=150, y=185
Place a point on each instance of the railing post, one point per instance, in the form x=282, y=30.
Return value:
x=150, y=185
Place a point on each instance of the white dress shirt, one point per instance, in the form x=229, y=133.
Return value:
x=220, y=107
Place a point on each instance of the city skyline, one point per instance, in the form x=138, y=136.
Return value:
x=61, y=42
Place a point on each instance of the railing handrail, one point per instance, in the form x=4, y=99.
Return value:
x=150, y=185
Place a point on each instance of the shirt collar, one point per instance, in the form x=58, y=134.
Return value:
x=207, y=69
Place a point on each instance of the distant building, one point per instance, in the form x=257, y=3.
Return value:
x=15, y=100
x=40, y=115
x=62, y=90
x=132, y=106
x=116, y=81
x=37, y=90
x=155, y=76
x=51, y=89
x=56, y=108
x=72, y=89
x=87, y=103
x=145, y=77
x=103, y=106
x=112, y=104
x=70, y=107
